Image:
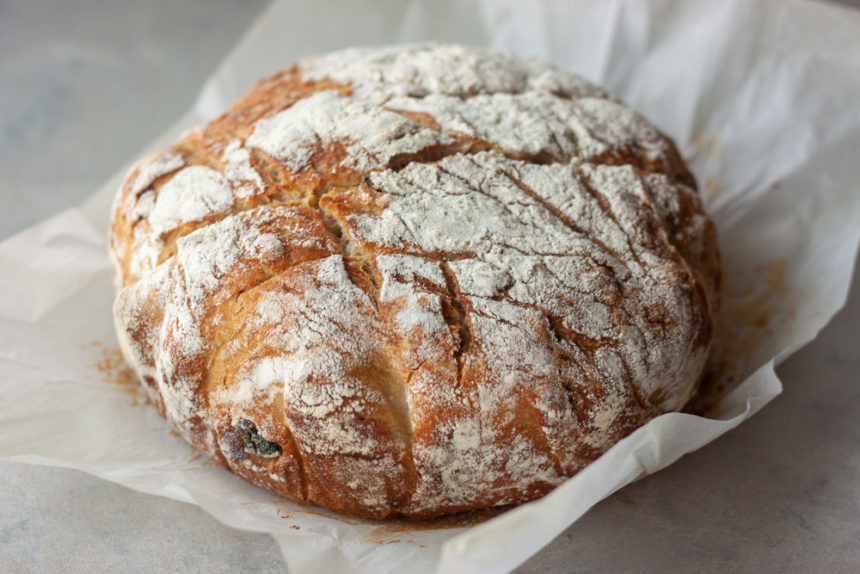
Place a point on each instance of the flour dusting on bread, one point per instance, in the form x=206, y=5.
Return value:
x=415, y=280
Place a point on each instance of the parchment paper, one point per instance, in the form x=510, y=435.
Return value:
x=761, y=98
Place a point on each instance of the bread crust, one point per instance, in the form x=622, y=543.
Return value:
x=415, y=281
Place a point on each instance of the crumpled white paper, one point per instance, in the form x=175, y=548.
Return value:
x=761, y=98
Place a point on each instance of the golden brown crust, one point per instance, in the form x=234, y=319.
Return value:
x=388, y=295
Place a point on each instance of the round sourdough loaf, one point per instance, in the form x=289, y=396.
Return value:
x=413, y=281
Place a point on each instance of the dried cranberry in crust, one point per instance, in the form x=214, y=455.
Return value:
x=245, y=438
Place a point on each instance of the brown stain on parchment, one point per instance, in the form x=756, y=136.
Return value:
x=713, y=189
x=709, y=147
x=755, y=299
x=707, y=150
x=194, y=462
x=113, y=370
x=752, y=307
x=389, y=531
x=197, y=458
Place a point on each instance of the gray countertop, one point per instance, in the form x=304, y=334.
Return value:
x=84, y=85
